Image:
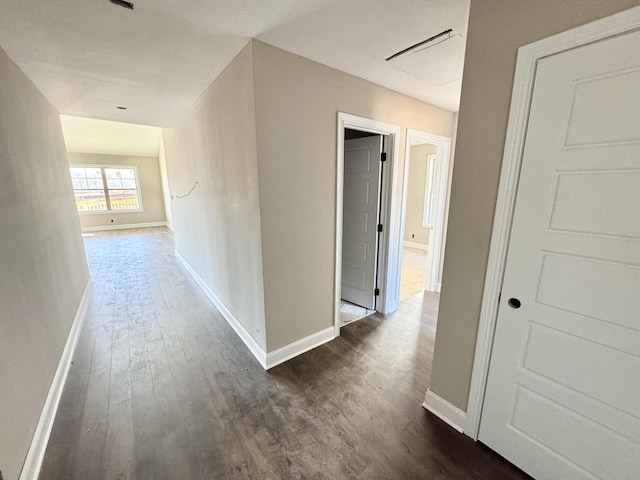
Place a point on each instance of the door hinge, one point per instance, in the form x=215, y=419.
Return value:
x=376, y=292
x=383, y=157
x=379, y=227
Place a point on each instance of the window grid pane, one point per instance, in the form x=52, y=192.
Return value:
x=124, y=199
x=114, y=183
x=90, y=200
x=93, y=173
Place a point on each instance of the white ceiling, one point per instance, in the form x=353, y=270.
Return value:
x=87, y=57
x=88, y=135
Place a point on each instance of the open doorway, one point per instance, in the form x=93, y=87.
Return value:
x=118, y=174
x=368, y=153
x=363, y=172
x=424, y=200
x=418, y=227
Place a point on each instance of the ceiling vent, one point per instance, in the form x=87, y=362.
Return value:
x=446, y=33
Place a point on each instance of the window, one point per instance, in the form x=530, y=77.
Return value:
x=121, y=193
x=427, y=216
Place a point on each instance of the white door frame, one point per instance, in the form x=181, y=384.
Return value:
x=388, y=248
x=528, y=57
x=436, y=236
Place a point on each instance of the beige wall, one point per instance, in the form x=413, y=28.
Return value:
x=415, y=195
x=297, y=103
x=44, y=270
x=150, y=189
x=496, y=29
x=217, y=227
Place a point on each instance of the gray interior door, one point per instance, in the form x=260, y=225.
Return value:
x=360, y=219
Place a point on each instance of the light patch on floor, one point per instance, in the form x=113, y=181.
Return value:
x=414, y=272
x=350, y=312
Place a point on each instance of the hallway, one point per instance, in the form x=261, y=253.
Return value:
x=162, y=388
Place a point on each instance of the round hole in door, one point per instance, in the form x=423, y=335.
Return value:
x=514, y=303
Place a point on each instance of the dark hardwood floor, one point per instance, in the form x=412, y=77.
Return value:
x=162, y=388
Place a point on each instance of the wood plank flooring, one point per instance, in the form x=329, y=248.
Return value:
x=413, y=278
x=162, y=388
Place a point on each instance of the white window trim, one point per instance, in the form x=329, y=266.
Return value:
x=107, y=165
x=429, y=191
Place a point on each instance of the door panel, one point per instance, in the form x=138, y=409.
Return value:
x=360, y=219
x=556, y=428
x=598, y=116
x=563, y=393
x=584, y=203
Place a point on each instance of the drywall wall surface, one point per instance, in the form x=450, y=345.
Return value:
x=217, y=222
x=297, y=105
x=149, y=181
x=496, y=30
x=42, y=261
x=416, y=187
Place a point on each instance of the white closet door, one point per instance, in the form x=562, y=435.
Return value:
x=563, y=394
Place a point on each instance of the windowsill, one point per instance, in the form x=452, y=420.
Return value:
x=111, y=212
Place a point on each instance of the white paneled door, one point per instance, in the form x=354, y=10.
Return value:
x=563, y=393
x=360, y=219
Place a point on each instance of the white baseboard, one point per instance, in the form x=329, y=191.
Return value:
x=267, y=360
x=444, y=410
x=231, y=319
x=419, y=246
x=298, y=347
x=124, y=226
x=35, y=455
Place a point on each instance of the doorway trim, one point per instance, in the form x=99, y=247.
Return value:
x=388, y=268
x=528, y=57
x=443, y=157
